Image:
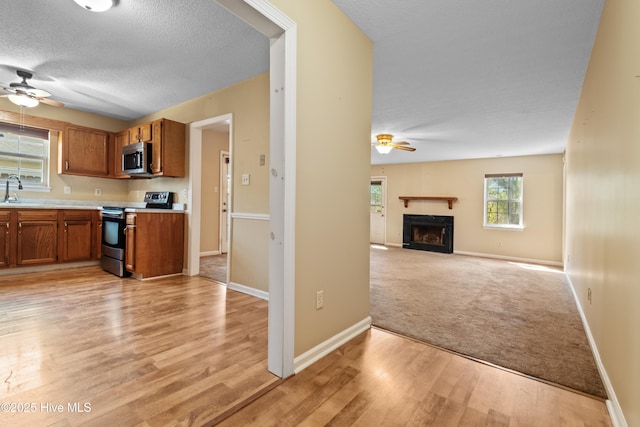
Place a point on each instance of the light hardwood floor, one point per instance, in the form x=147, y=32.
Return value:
x=173, y=351
x=185, y=351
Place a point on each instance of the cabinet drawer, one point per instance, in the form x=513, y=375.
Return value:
x=131, y=219
x=5, y=216
x=37, y=215
x=77, y=215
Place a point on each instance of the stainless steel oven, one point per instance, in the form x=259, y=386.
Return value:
x=113, y=241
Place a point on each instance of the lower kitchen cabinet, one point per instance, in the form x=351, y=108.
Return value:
x=47, y=236
x=37, y=241
x=76, y=236
x=5, y=231
x=155, y=243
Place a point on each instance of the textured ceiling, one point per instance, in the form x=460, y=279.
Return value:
x=456, y=78
x=135, y=59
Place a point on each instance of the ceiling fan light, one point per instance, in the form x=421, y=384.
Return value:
x=23, y=100
x=95, y=5
x=383, y=149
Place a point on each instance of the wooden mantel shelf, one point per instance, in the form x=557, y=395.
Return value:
x=407, y=198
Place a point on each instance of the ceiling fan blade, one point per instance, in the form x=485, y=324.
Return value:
x=402, y=147
x=401, y=143
x=38, y=93
x=51, y=102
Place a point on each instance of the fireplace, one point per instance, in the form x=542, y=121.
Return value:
x=428, y=233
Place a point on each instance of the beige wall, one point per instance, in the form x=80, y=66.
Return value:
x=213, y=143
x=248, y=102
x=603, y=181
x=541, y=238
x=333, y=159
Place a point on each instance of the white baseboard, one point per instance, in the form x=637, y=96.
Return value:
x=209, y=253
x=613, y=406
x=504, y=257
x=510, y=258
x=326, y=347
x=248, y=290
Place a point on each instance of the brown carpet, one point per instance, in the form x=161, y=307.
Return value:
x=517, y=316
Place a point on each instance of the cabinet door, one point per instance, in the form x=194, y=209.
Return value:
x=142, y=133
x=77, y=241
x=37, y=237
x=5, y=229
x=157, y=144
x=130, y=244
x=120, y=140
x=97, y=236
x=85, y=151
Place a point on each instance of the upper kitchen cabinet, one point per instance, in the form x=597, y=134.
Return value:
x=142, y=133
x=83, y=151
x=168, y=141
x=120, y=139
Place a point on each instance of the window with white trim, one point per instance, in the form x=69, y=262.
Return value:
x=503, y=200
x=24, y=151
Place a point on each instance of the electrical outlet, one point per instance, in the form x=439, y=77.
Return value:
x=319, y=300
x=67, y=189
x=245, y=179
x=98, y=191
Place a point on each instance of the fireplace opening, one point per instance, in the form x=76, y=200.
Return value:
x=428, y=233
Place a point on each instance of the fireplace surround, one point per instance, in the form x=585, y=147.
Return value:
x=428, y=233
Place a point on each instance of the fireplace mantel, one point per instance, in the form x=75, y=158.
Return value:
x=448, y=199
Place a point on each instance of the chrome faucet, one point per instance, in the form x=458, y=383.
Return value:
x=8, y=199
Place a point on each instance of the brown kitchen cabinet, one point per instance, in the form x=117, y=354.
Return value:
x=83, y=151
x=97, y=234
x=37, y=238
x=120, y=139
x=142, y=133
x=130, y=242
x=168, y=147
x=47, y=236
x=155, y=244
x=5, y=231
x=76, y=235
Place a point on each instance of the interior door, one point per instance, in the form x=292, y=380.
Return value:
x=377, y=210
x=225, y=185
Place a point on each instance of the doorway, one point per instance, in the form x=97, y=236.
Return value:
x=378, y=193
x=225, y=192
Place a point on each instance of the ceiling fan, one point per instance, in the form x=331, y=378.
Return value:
x=385, y=144
x=24, y=95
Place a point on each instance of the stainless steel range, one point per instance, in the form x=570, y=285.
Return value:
x=113, y=241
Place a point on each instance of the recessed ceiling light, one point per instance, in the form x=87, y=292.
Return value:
x=95, y=5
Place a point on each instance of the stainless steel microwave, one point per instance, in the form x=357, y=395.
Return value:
x=136, y=159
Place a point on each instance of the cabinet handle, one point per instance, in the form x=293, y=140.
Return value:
x=19, y=227
x=66, y=165
x=8, y=228
x=65, y=226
